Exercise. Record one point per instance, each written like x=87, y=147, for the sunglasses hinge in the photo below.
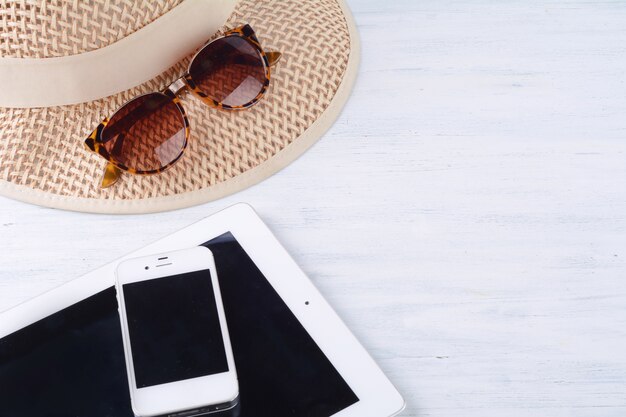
x=177, y=85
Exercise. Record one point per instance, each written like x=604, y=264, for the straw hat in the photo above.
x=65, y=65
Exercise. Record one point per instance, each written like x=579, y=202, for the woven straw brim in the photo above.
x=43, y=160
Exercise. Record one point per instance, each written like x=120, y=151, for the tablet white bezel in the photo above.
x=377, y=396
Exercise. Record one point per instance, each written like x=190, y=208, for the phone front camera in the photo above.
x=147, y=267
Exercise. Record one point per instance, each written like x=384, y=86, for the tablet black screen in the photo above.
x=71, y=363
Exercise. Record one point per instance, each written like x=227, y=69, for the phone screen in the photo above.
x=174, y=328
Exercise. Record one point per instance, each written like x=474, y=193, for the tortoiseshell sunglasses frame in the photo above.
x=113, y=170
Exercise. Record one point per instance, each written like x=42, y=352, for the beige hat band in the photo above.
x=127, y=63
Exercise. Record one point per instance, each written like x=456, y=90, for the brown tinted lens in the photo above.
x=146, y=134
x=229, y=70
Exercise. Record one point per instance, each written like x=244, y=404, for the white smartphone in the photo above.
x=178, y=353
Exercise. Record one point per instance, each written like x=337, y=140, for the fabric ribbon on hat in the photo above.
x=127, y=63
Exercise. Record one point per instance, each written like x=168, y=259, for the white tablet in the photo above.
x=61, y=354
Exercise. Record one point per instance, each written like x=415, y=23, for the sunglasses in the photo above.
x=149, y=134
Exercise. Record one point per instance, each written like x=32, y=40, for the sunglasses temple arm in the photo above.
x=273, y=57
x=110, y=176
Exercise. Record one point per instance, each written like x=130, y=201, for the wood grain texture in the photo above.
x=466, y=215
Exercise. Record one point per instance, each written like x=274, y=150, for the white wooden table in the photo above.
x=466, y=215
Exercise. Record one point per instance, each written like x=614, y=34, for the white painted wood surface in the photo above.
x=466, y=215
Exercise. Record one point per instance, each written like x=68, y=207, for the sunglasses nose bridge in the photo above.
x=177, y=86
